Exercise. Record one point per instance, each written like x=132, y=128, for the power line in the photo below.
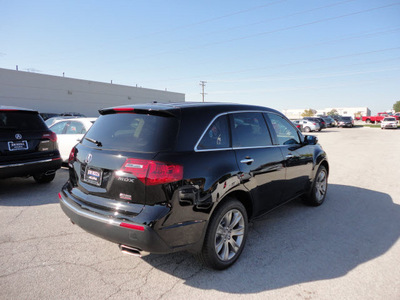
x=274, y=30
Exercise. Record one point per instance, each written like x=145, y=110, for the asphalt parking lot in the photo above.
x=346, y=249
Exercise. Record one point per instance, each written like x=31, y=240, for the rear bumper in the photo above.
x=137, y=235
x=16, y=169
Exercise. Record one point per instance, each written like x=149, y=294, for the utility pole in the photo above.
x=203, y=84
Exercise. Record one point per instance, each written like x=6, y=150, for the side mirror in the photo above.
x=310, y=140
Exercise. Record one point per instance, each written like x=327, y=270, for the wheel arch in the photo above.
x=243, y=197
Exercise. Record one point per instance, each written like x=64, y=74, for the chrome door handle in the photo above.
x=247, y=161
x=289, y=156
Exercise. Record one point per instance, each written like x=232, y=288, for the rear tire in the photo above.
x=226, y=235
x=43, y=178
x=307, y=129
x=319, y=188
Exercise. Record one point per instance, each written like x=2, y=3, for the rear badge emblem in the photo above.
x=18, y=136
x=88, y=158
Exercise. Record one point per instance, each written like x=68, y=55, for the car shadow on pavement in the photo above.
x=26, y=192
x=296, y=244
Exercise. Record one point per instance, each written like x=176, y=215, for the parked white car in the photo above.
x=308, y=125
x=69, y=133
x=389, y=122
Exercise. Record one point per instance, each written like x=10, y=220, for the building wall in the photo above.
x=54, y=94
x=343, y=111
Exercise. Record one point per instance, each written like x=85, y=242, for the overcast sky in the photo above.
x=285, y=54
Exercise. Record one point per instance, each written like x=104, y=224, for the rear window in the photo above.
x=21, y=121
x=133, y=132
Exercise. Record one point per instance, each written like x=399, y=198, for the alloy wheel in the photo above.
x=229, y=235
x=321, y=185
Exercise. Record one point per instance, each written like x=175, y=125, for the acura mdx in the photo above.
x=162, y=178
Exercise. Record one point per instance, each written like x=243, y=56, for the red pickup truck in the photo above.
x=378, y=118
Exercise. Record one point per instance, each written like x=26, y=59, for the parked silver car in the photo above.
x=389, y=122
x=308, y=126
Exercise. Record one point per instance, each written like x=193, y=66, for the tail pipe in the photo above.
x=130, y=250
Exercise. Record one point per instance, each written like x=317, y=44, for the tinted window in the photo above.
x=134, y=132
x=250, y=130
x=18, y=120
x=217, y=135
x=285, y=132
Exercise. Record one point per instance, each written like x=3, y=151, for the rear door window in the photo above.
x=250, y=130
x=134, y=132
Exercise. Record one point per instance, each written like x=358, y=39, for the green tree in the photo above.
x=396, y=106
x=333, y=112
x=309, y=113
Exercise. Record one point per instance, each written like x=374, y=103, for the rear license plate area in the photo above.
x=16, y=146
x=93, y=176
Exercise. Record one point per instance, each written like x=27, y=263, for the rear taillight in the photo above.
x=152, y=172
x=71, y=157
x=50, y=136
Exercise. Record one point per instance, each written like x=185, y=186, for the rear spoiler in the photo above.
x=142, y=110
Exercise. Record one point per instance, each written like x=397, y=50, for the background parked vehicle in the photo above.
x=307, y=125
x=389, y=122
x=378, y=118
x=50, y=121
x=336, y=118
x=69, y=133
x=27, y=146
x=320, y=122
x=47, y=116
x=162, y=178
x=328, y=121
x=345, y=121
x=72, y=114
x=298, y=126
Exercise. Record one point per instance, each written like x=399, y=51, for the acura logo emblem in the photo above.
x=88, y=158
x=18, y=136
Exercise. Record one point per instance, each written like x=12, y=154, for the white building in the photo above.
x=343, y=111
x=55, y=94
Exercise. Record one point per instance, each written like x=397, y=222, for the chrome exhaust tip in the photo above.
x=130, y=250
x=50, y=172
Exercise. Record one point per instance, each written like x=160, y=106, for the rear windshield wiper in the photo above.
x=99, y=144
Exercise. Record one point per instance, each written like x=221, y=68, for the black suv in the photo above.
x=168, y=177
x=27, y=146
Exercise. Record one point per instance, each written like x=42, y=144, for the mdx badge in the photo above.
x=88, y=158
x=126, y=179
